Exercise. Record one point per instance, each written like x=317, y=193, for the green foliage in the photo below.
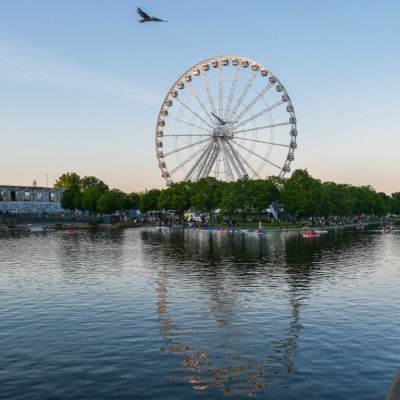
x=246, y=196
x=180, y=197
x=260, y=194
x=394, y=203
x=68, y=180
x=91, y=181
x=70, y=198
x=304, y=196
x=90, y=198
x=205, y=195
x=132, y=201
x=148, y=200
x=164, y=201
x=301, y=195
x=110, y=201
x=228, y=204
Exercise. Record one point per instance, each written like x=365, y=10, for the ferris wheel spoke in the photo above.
x=189, y=123
x=234, y=131
x=239, y=101
x=244, y=161
x=200, y=157
x=259, y=114
x=201, y=104
x=190, y=158
x=207, y=86
x=194, y=113
x=262, y=141
x=253, y=102
x=220, y=91
x=232, y=92
x=257, y=155
x=190, y=135
x=186, y=147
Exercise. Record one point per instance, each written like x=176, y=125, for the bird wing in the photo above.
x=158, y=20
x=142, y=13
x=218, y=118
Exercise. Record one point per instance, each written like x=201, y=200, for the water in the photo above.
x=146, y=314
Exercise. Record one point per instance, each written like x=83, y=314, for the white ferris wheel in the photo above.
x=227, y=117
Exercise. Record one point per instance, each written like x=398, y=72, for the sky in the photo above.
x=82, y=82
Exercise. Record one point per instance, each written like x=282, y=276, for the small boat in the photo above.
x=38, y=228
x=170, y=227
x=309, y=234
x=237, y=230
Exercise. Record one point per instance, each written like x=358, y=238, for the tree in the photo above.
x=180, y=193
x=132, y=201
x=66, y=181
x=260, y=194
x=164, y=201
x=90, y=197
x=91, y=181
x=228, y=203
x=394, y=206
x=148, y=200
x=110, y=201
x=70, y=198
x=205, y=195
x=302, y=195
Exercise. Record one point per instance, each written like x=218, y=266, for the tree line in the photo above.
x=91, y=194
x=300, y=196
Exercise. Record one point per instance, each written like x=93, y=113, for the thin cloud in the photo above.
x=26, y=63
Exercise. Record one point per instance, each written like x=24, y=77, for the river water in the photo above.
x=149, y=314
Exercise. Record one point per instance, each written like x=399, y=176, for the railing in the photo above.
x=13, y=219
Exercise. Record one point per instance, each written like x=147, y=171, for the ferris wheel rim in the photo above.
x=167, y=174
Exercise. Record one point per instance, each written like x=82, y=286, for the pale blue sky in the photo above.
x=81, y=82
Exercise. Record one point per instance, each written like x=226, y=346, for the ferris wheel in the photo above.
x=227, y=117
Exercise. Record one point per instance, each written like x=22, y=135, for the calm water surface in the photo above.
x=147, y=314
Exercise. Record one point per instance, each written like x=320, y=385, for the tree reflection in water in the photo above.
x=227, y=265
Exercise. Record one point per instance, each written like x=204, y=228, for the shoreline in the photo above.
x=268, y=228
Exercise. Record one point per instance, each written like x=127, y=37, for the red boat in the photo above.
x=310, y=234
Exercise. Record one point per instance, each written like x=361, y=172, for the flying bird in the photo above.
x=146, y=17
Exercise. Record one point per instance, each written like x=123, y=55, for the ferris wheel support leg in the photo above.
x=199, y=160
x=233, y=161
x=204, y=161
x=212, y=161
x=239, y=163
x=228, y=169
x=190, y=158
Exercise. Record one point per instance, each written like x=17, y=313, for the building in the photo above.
x=30, y=199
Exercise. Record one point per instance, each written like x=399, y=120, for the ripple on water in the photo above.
x=148, y=314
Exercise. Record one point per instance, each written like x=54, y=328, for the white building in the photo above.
x=30, y=199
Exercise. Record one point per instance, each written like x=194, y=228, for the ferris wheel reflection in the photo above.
x=234, y=361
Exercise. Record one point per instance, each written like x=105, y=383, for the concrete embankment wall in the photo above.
x=394, y=393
